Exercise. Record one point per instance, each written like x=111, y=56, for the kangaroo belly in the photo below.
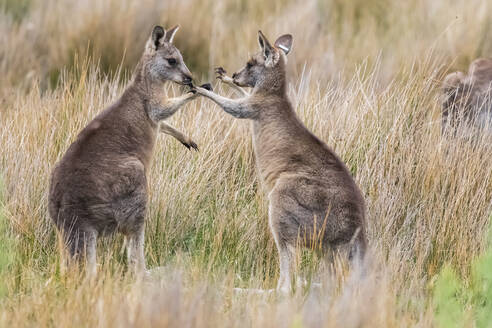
x=106, y=199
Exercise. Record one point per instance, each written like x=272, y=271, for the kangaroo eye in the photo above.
x=249, y=65
x=171, y=61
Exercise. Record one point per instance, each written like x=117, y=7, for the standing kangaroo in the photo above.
x=100, y=184
x=313, y=200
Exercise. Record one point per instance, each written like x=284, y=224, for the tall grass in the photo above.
x=364, y=76
x=459, y=303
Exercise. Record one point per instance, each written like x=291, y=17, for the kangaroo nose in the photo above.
x=234, y=75
x=187, y=79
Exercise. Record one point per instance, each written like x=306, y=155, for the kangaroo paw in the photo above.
x=190, y=145
x=207, y=86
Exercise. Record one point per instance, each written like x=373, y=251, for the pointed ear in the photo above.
x=157, y=37
x=170, y=34
x=452, y=82
x=284, y=42
x=265, y=46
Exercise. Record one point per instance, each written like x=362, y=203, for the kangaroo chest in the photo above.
x=270, y=151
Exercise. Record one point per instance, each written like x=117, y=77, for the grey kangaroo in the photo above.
x=468, y=97
x=100, y=184
x=313, y=200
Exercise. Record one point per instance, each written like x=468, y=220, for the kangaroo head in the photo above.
x=266, y=69
x=162, y=60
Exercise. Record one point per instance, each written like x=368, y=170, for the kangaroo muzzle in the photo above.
x=234, y=78
x=188, y=80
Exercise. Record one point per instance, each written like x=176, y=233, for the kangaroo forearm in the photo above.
x=168, y=129
x=162, y=111
x=185, y=140
x=235, y=107
x=238, y=108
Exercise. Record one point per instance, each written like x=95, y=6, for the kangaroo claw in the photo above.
x=220, y=73
x=220, y=70
x=191, y=145
x=207, y=86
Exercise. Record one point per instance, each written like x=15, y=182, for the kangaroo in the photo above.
x=467, y=97
x=100, y=184
x=313, y=200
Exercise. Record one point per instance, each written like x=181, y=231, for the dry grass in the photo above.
x=365, y=78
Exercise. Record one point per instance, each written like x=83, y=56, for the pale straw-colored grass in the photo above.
x=365, y=78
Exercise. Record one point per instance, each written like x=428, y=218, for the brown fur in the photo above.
x=100, y=184
x=467, y=96
x=314, y=201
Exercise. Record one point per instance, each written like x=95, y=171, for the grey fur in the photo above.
x=313, y=200
x=100, y=184
x=467, y=97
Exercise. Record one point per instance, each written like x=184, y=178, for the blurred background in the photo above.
x=39, y=38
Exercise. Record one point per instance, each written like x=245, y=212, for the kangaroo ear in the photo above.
x=170, y=34
x=284, y=42
x=452, y=82
x=157, y=38
x=264, y=45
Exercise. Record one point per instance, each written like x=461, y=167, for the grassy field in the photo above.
x=364, y=76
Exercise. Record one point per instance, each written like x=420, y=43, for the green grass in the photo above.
x=365, y=77
x=7, y=246
x=460, y=302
